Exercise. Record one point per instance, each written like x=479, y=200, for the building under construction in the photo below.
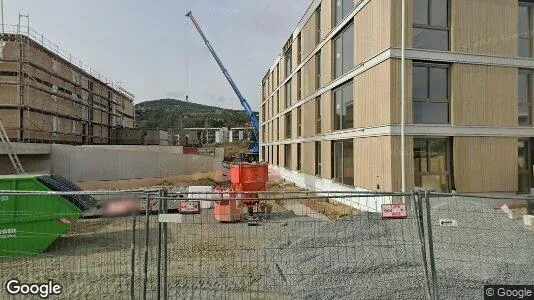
x=46, y=95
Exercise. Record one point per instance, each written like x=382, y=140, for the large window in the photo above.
x=278, y=124
x=343, y=162
x=343, y=107
x=299, y=49
x=318, y=115
x=277, y=154
x=288, y=61
x=430, y=93
x=524, y=98
x=318, y=25
x=299, y=157
x=287, y=155
x=431, y=24
x=342, y=9
x=524, y=25
x=318, y=70
x=299, y=86
x=288, y=125
x=318, y=159
x=344, y=51
x=288, y=94
x=432, y=164
x=299, y=121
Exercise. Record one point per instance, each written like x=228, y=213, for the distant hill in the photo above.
x=175, y=114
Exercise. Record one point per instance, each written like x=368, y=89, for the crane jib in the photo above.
x=248, y=110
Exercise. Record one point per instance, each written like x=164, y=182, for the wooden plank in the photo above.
x=484, y=95
x=485, y=27
x=485, y=164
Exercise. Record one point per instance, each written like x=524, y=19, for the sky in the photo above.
x=145, y=45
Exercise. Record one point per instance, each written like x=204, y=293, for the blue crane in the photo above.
x=254, y=149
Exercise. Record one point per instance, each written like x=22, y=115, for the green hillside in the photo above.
x=175, y=114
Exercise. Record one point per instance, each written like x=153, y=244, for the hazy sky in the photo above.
x=143, y=44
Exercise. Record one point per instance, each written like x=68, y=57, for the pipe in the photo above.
x=403, y=97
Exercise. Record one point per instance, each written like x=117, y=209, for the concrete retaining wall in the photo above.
x=95, y=163
x=114, y=162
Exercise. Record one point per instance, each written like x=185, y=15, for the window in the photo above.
x=288, y=125
x=430, y=93
x=299, y=122
x=299, y=49
x=343, y=162
x=277, y=101
x=524, y=98
x=299, y=86
x=288, y=93
x=55, y=125
x=288, y=62
x=287, y=156
x=74, y=123
x=343, y=107
x=299, y=157
x=342, y=9
x=263, y=153
x=318, y=116
x=277, y=154
x=431, y=24
x=344, y=51
x=318, y=159
x=278, y=127
x=318, y=25
x=523, y=30
x=318, y=70
x=523, y=150
x=432, y=164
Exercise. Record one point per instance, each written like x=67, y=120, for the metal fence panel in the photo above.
x=476, y=243
x=297, y=252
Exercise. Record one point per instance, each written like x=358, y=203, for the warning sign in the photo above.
x=394, y=211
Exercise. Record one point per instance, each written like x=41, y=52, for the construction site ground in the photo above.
x=330, y=252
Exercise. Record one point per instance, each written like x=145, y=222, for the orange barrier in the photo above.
x=249, y=178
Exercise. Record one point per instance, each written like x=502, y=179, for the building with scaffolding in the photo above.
x=48, y=96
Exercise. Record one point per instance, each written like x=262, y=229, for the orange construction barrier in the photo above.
x=227, y=210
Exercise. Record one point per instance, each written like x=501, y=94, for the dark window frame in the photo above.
x=288, y=60
x=299, y=157
x=335, y=13
x=288, y=121
x=334, y=165
x=448, y=160
x=318, y=34
x=530, y=77
x=287, y=93
x=318, y=70
x=287, y=156
x=318, y=159
x=318, y=115
x=340, y=126
x=436, y=27
x=341, y=36
x=430, y=65
x=528, y=37
x=299, y=121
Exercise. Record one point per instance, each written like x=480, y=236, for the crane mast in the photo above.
x=248, y=110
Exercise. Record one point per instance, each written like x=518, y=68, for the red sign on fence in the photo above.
x=394, y=211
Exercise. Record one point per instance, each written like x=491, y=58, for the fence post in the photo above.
x=165, y=243
x=431, y=247
x=160, y=204
x=132, y=254
x=145, y=265
x=416, y=196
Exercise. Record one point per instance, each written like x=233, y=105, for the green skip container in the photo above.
x=29, y=224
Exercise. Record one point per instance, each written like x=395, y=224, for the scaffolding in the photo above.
x=59, y=98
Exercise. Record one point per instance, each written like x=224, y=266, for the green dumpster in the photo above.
x=29, y=224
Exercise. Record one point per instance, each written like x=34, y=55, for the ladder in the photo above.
x=4, y=139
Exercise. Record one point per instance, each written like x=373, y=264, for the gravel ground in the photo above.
x=290, y=257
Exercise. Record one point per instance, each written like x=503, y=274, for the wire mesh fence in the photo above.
x=283, y=245
x=477, y=241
